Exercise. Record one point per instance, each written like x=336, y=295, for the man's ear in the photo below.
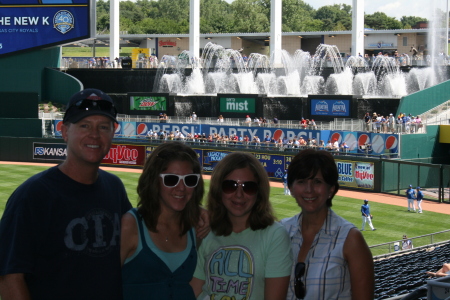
x=64, y=129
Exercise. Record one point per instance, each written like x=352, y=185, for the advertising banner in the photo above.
x=239, y=105
x=128, y=155
x=29, y=24
x=272, y=163
x=331, y=108
x=356, y=174
x=49, y=151
x=151, y=103
x=211, y=158
x=57, y=127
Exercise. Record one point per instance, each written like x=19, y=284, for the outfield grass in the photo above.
x=87, y=51
x=391, y=221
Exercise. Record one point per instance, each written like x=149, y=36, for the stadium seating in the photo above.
x=404, y=273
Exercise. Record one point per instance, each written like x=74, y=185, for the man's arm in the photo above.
x=13, y=287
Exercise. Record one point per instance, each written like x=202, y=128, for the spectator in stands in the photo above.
x=275, y=121
x=374, y=122
x=246, y=250
x=383, y=123
x=419, y=123
x=391, y=123
x=263, y=122
x=442, y=272
x=337, y=261
x=256, y=121
x=406, y=243
x=161, y=118
x=150, y=134
x=170, y=192
x=303, y=123
x=220, y=119
x=367, y=120
x=336, y=145
x=329, y=145
x=280, y=142
x=60, y=229
x=302, y=141
x=248, y=120
x=162, y=135
x=312, y=125
x=399, y=122
x=194, y=117
x=321, y=145
x=267, y=139
x=344, y=147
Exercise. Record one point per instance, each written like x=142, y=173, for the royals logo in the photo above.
x=63, y=21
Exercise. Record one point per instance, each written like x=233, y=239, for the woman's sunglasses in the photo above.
x=172, y=180
x=299, y=286
x=249, y=187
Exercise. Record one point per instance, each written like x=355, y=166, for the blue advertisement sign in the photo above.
x=331, y=108
x=31, y=24
x=50, y=151
x=274, y=164
x=377, y=143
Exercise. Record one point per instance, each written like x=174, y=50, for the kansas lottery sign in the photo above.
x=33, y=24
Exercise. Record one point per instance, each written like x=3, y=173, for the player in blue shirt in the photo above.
x=410, y=196
x=419, y=199
x=366, y=216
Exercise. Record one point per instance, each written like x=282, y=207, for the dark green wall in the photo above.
x=422, y=101
x=29, y=78
x=425, y=148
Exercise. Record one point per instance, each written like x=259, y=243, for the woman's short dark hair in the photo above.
x=261, y=215
x=148, y=188
x=307, y=163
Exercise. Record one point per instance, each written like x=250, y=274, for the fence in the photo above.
x=433, y=179
x=389, y=248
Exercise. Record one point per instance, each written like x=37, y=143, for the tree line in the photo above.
x=246, y=16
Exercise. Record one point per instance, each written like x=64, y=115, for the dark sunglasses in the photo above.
x=299, y=286
x=172, y=180
x=101, y=105
x=230, y=186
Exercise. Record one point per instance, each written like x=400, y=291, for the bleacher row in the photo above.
x=403, y=274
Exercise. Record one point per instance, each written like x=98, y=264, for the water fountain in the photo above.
x=221, y=70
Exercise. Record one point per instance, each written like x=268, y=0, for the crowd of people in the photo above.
x=403, y=123
x=282, y=143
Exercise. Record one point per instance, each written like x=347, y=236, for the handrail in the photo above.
x=413, y=238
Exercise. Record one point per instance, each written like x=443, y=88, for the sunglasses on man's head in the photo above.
x=230, y=186
x=100, y=105
x=299, y=286
x=172, y=180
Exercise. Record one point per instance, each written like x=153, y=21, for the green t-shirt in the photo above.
x=235, y=266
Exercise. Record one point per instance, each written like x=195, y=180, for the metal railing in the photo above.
x=439, y=115
x=388, y=249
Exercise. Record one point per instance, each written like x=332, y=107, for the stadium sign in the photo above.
x=34, y=24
